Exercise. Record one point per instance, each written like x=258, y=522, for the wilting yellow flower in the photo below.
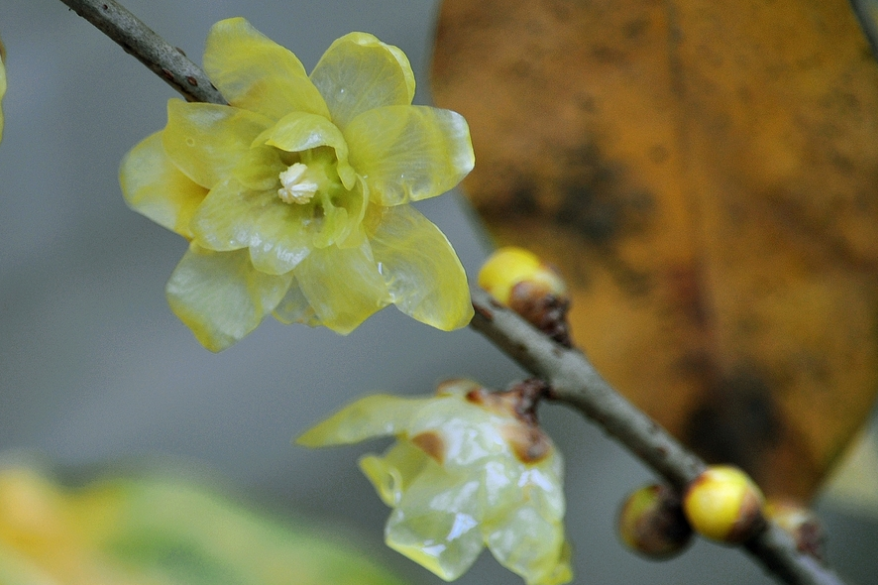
x=468, y=470
x=294, y=196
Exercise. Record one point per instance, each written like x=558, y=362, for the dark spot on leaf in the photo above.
x=658, y=154
x=523, y=200
x=608, y=55
x=737, y=422
x=585, y=102
x=522, y=68
x=687, y=294
x=635, y=27
x=595, y=218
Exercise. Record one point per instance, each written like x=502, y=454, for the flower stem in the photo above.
x=573, y=379
x=136, y=38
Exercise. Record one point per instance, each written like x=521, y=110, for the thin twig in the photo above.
x=573, y=379
x=575, y=382
x=166, y=61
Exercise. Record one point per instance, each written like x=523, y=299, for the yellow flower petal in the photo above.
x=206, y=141
x=424, y=276
x=373, y=416
x=343, y=286
x=233, y=217
x=220, y=297
x=301, y=131
x=259, y=168
x=295, y=308
x=358, y=72
x=531, y=545
x=437, y=522
x=155, y=187
x=341, y=224
x=408, y=152
x=255, y=73
x=393, y=473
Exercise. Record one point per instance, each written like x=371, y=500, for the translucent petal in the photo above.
x=437, y=523
x=423, y=274
x=155, y=187
x=220, y=296
x=372, y=416
x=343, y=218
x=468, y=441
x=394, y=472
x=499, y=480
x=334, y=224
x=259, y=168
x=358, y=72
x=532, y=546
x=206, y=141
x=301, y=131
x=546, y=479
x=233, y=217
x=255, y=73
x=343, y=285
x=295, y=308
x=409, y=152
x=343, y=213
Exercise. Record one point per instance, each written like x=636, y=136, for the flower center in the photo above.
x=299, y=184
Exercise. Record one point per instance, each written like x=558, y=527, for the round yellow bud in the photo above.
x=724, y=504
x=510, y=266
x=651, y=522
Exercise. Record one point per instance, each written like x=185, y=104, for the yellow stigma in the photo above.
x=297, y=185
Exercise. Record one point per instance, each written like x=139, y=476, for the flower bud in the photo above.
x=724, y=504
x=519, y=280
x=651, y=522
x=801, y=524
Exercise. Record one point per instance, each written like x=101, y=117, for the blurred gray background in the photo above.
x=95, y=369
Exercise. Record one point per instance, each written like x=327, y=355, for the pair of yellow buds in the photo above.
x=722, y=504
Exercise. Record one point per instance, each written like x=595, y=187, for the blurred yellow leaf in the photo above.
x=705, y=174
x=156, y=531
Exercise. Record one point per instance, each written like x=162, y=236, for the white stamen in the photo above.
x=296, y=187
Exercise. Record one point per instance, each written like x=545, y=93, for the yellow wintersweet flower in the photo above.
x=468, y=470
x=294, y=196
